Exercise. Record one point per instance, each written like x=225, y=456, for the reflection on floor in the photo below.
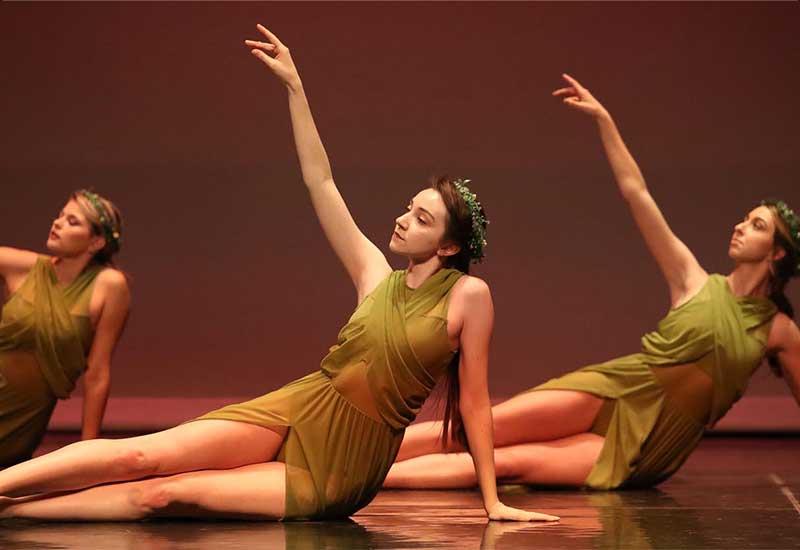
x=733, y=493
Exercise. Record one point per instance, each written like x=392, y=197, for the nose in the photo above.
x=400, y=221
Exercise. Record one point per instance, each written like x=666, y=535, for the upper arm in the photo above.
x=475, y=337
x=364, y=262
x=15, y=263
x=116, y=300
x=680, y=268
x=784, y=344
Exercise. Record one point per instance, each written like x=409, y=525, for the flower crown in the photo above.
x=112, y=235
x=790, y=219
x=477, y=241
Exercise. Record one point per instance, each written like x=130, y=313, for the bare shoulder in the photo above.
x=16, y=261
x=472, y=290
x=783, y=334
x=113, y=282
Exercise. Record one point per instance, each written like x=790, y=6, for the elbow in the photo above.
x=633, y=190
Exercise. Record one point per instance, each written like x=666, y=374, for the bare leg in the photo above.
x=534, y=416
x=565, y=461
x=201, y=445
x=257, y=491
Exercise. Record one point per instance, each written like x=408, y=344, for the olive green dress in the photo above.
x=45, y=335
x=346, y=421
x=690, y=371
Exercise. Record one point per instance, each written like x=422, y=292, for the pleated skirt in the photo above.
x=647, y=436
x=26, y=404
x=336, y=456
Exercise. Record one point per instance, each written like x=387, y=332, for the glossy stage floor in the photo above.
x=733, y=493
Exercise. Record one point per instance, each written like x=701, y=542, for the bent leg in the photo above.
x=201, y=445
x=535, y=416
x=257, y=491
x=565, y=461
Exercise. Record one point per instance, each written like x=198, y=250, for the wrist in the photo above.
x=603, y=117
x=294, y=85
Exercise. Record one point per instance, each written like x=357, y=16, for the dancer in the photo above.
x=632, y=421
x=320, y=446
x=63, y=316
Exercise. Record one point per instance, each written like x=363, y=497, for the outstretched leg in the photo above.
x=257, y=491
x=201, y=445
x=531, y=417
x=566, y=462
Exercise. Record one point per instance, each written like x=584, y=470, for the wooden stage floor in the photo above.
x=733, y=493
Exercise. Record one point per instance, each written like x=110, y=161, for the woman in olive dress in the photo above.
x=62, y=316
x=320, y=446
x=634, y=420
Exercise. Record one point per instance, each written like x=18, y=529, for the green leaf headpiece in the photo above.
x=477, y=241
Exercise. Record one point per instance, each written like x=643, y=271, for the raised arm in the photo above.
x=115, y=298
x=683, y=273
x=363, y=261
x=14, y=265
x=784, y=345
x=474, y=403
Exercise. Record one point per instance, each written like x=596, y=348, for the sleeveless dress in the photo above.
x=690, y=371
x=45, y=336
x=346, y=421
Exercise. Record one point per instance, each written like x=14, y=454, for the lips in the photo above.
x=54, y=235
x=396, y=234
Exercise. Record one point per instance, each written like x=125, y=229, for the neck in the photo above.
x=68, y=269
x=419, y=271
x=750, y=279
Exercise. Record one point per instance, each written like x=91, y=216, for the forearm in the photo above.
x=477, y=417
x=626, y=172
x=95, y=397
x=314, y=164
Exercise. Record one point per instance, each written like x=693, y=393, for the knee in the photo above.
x=149, y=498
x=133, y=462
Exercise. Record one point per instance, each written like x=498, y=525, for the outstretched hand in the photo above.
x=578, y=97
x=275, y=55
x=501, y=512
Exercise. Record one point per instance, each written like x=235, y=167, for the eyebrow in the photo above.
x=747, y=217
x=425, y=211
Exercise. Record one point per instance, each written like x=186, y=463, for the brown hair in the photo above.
x=458, y=230
x=782, y=270
x=105, y=255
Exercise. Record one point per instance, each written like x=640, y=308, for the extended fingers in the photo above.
x=565, y=91
x=260, y=45
x=268, y=61
x=270, y=36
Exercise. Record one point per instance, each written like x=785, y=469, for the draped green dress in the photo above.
x=45, y=336
x=346, y=421
x=690, y=371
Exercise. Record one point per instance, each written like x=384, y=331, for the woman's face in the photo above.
x=71, y=233
x=754, y=237
x=418, y=233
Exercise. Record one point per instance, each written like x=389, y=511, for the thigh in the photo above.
x=207, y=445
x=256, y=491
x=544, y=415
x=566, y=461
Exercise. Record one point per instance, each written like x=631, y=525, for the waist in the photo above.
x=689, y=387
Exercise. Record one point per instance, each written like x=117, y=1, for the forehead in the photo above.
x=761, y=212
x=74, y=209
x=430, y=200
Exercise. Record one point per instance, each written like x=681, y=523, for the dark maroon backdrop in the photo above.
x=163, y=109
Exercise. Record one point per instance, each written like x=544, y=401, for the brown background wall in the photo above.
x=160, y=107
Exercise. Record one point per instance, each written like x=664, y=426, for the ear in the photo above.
x=448, y=250
x=97, y=244
x=778, y=253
